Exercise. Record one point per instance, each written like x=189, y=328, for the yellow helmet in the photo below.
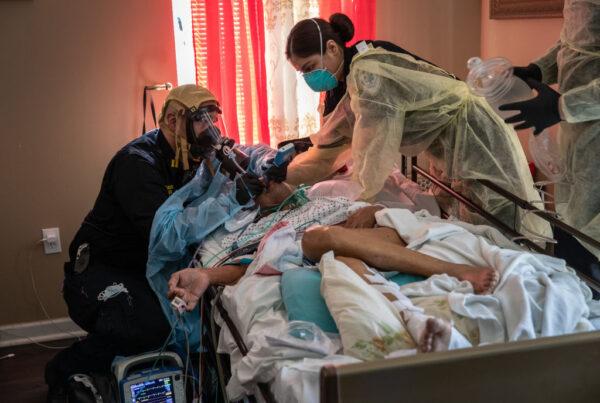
x=186, y=97
x=189, y=96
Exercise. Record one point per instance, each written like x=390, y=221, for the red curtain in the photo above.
x=257, y=30
x=361, y=12
x=229, y=45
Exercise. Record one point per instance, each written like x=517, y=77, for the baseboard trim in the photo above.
x=38, y=332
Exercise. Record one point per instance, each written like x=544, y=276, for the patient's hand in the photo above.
x=363, y=218
x=189, y=285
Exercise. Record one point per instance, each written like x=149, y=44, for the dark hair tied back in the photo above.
x=303, y=40
x=343, y=26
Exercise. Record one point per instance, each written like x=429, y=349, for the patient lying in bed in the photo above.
x=463, y=303
x=381, y=247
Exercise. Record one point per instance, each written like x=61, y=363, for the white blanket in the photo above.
x=537, y=295
x=256, y=307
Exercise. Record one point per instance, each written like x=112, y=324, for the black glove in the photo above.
x=242, y=158
x=227, y=164
x=229, y=168
x=300, y=145
x=229, y=142
x=248, y=186
x=539, y=112
x=531, y=71
x=276, y=173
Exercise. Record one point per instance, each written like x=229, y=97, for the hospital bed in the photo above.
x=565, y=367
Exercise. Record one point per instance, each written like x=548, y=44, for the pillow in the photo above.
x=405, y=278
x=301, y=293
x=370, y=325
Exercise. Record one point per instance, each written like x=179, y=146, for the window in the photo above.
x=236, y=48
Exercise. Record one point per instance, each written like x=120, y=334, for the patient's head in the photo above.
x=274, y=195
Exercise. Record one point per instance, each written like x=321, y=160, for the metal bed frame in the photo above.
x=565, y=367
x=415, y=170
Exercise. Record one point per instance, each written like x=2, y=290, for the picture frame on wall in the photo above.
x=511, y=9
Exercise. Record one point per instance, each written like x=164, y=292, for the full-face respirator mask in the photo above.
x=211, y=140
x=203, y=144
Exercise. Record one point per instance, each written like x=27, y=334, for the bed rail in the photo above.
x=550, y=369
x=472, y=205
x=518, y=201
x=214, y=296
x=541, y=213
x=415, y=170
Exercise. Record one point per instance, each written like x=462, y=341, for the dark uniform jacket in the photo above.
x=138, y=179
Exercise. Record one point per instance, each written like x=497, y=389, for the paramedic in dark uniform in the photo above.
x=105, y=284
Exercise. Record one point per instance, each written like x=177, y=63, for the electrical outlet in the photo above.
x=51, y=239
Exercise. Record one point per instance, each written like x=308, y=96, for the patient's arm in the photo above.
x=384, y=249
x=190, y=284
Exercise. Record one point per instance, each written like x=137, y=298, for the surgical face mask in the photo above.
x=320, y=80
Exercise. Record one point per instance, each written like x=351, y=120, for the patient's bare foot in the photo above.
x=483, y=279
x=435, y=336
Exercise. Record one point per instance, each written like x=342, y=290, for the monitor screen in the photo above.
x=153, y=391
